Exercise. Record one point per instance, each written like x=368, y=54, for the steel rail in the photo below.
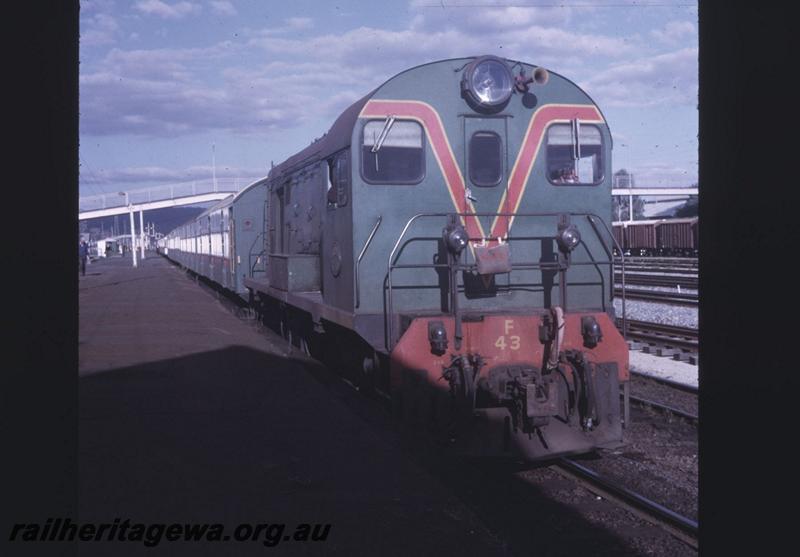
x=670, y=383
x=663, y=408
x=666, y=261
x=690, y=271
x=672, y=341
x=669, y=281
x=669, y=336
x=659, y=296
x=682, y=527
x=673, y=330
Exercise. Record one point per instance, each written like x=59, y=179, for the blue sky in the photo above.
x=161, y=81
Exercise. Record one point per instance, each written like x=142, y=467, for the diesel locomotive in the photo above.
x=445, y=244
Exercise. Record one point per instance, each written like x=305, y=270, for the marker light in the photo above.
x=487, y=82
x=568, y=238
x=456, y=238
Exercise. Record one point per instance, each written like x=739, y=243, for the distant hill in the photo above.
x=685, y=210
x=164, y=220
x=690, y=209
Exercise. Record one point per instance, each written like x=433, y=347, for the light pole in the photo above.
x=133, y=228
x=141, y=230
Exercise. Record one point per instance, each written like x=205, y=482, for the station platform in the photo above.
x=189, y=414
x=664, y=368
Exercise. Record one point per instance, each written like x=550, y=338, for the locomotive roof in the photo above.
x=339, y=134
x=335, y=139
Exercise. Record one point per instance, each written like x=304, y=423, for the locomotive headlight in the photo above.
x=568, y=238
x=487, y=82
x=456, y=238
x=437, y=336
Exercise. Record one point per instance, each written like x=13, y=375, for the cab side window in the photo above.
x=392, y=152
x=574, y=154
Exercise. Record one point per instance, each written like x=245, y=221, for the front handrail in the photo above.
x=622, y=261
x=250, y=264
x=390, y=342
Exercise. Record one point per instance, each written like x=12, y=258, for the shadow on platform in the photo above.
x=242, y=436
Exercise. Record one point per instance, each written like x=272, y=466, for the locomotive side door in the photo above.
x=279, y=233
x=336, y=265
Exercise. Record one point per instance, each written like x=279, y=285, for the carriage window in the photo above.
x=392, y=152
x=574, y=158
x=485, y=159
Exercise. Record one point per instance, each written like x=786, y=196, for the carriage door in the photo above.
x=231, y=254
x=223, y=221
x=207, y=256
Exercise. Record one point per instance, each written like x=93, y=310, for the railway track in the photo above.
x=665, y=409
x=673, y=281
x=670, y=262
x=679, y=343
x=655, y=269
x=670, y=383
x=684, y=338
x=682, y=527
x=683, y=298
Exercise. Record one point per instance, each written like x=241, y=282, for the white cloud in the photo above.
x=487, y=17
x=308, y=80
x=89, y=6
x=299, y=22
x=676, y=32
x=167, y=92
x=387, y=51
x=661, y=174
x=168, y=11
x=100, y=29
x=141, y=174
x=664, y=79
x=164, y=93
x=222, y=7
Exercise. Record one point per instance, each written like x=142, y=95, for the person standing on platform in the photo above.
x=83, y=254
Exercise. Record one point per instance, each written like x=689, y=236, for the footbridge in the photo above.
x=159, y=197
